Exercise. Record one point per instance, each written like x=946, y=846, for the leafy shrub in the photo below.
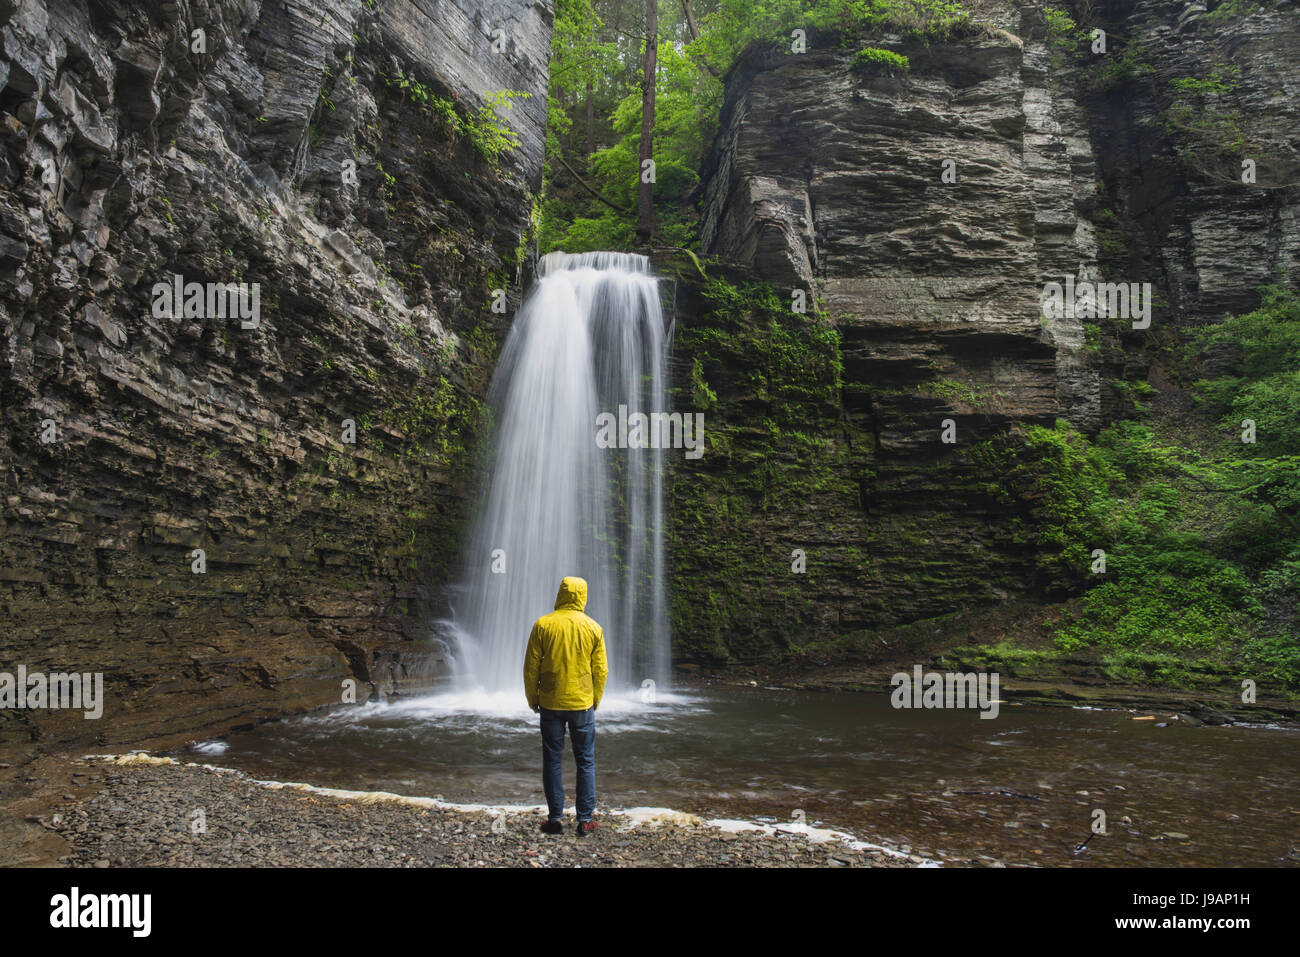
x=1202, y=541
x=877, y=60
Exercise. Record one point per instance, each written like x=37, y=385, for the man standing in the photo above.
x=564, y=678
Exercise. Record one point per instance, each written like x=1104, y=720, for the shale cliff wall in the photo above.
x=826, y=180
x=338, y=155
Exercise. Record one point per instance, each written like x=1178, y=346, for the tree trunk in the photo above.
x=591, y=123
x=694, y=30
x=645, y=211
x=588, y=187
x=691, y=26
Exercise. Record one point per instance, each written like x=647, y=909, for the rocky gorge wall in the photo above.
x=337, y=154
x=1174, y=207
x=826, y=177
x=340, y=156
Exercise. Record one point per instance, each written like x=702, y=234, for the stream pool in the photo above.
x=1021, y=788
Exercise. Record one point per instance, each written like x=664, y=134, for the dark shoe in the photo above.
x=586, y=827
x=553, y=827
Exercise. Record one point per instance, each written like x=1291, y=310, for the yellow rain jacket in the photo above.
x=564, y=667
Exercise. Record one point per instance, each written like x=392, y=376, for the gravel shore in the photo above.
x=173, y=815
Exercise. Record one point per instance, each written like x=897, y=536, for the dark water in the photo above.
x=1020, y=788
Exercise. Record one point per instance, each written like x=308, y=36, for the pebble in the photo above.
x=141, y=817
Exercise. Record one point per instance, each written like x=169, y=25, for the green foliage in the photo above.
x=1171, y=579
x=685, y=104
x=874, y=59
x=484, y=130
x=487, y=133
x=1263, y=344
x=1120, y=68
x=1237, y=9
x=435, y=421
x=979, y=397
x=1201, y=109
x=1061, y=28
x=582, y=64
x=1202, y=542
x=1065, y=38
x=1063, y=32
x=609, y=230
x=790, y=363
x=737, y=23
x=594, y=62
x=703, y=397
x=1260, y=386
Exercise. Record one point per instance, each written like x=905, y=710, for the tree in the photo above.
x=693, y=34
x=645, y=212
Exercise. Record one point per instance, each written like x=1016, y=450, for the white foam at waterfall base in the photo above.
x=508, y=712
x=588, y=338
x=210, y=747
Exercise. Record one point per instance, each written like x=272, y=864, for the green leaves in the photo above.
x=1264, y=342
x=1168, y=582
x=1063, y=33
x=1200, y=530
x=1202, y=110
x=484, y=130
x=1258, y=398
x=488, y=135
x=598, y=64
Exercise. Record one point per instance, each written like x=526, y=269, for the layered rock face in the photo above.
x=337, y=158
x=1172, y=162
x=827, y=177
x=831, y=180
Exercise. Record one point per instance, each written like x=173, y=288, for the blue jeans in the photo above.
x=582, y=732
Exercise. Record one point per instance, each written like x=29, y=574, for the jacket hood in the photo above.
x=573, y=594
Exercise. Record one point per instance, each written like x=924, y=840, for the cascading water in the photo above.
x=589, y=337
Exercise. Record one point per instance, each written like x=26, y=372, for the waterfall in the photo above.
x=589, y=337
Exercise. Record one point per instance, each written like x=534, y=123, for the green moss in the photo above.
x=977, y=397
x=1237, y=9
x=435, y=422
x=703, y=397
x=769, y=380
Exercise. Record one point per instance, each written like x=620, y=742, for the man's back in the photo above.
x=565, y=666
